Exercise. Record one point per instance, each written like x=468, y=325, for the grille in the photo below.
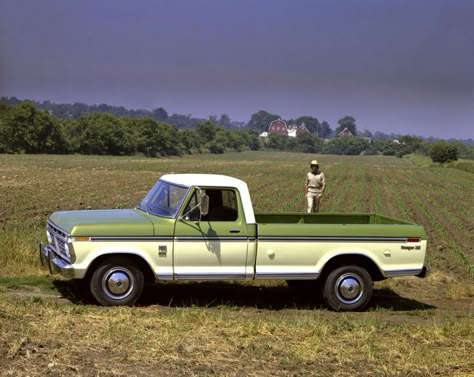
x=58, y=240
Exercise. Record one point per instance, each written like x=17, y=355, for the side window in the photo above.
x=229, y=199
x=222, y=205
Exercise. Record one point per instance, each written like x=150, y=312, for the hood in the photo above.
x=114, y=222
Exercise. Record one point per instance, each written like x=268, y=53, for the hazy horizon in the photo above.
x=403, y=67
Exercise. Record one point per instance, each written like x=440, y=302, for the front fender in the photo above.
x=159, y=263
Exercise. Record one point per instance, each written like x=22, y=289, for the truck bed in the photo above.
x=357, y=225
x=325, y=218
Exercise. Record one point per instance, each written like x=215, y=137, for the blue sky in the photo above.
x=396, y=66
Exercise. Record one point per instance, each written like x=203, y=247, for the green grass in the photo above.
x=425, y=161
x=40, y=282
x=467, y=166
x=419, y=160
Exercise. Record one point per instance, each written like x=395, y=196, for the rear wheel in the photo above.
x=117, y=281
x=347, y=288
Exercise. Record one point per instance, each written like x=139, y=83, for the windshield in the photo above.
x=164, y=199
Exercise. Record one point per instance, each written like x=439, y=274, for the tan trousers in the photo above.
x=313, y=202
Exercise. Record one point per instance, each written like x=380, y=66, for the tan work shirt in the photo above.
x=315, y=182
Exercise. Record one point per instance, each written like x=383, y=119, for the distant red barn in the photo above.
x=278, y=127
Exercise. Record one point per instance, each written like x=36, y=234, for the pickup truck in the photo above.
x=203, y=227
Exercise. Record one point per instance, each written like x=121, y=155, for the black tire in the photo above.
x=347, y=288
x=117, y=281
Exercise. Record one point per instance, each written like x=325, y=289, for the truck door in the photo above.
x=213, y=246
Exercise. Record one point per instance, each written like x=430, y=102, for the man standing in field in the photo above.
x=314, y=187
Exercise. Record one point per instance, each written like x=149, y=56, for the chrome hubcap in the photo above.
x=117, y=283
x=349, y=288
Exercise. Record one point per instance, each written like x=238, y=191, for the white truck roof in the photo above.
x=216, y=180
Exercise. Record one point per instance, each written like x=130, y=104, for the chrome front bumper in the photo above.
x=55, y=264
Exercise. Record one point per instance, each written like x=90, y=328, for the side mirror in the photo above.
x=204, y=204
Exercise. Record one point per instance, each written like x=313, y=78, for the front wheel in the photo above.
x=117, y=281
x=347, y=288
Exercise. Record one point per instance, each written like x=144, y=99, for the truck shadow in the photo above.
x=214, y=294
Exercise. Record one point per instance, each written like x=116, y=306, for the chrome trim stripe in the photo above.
x=171, y=238
x=287, y=276
x=393, y=273
x=217, y=238
x=252, y=239
x=330, y=239
x=131, y=238
x=163, y=276
x=209, y=276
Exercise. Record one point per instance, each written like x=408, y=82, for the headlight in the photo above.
x=50, y=238
x=69, y=246
x=66, y=249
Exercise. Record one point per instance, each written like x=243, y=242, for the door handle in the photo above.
x=234, y=230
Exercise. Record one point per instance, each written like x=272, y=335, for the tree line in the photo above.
x=26, y=128
x=78, y=110
x=259, y=121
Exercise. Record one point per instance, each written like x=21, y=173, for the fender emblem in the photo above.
x=162, y=250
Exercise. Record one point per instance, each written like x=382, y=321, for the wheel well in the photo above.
x=353, y=259
x=142, y=264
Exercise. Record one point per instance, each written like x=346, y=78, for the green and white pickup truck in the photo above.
x=203, y=227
